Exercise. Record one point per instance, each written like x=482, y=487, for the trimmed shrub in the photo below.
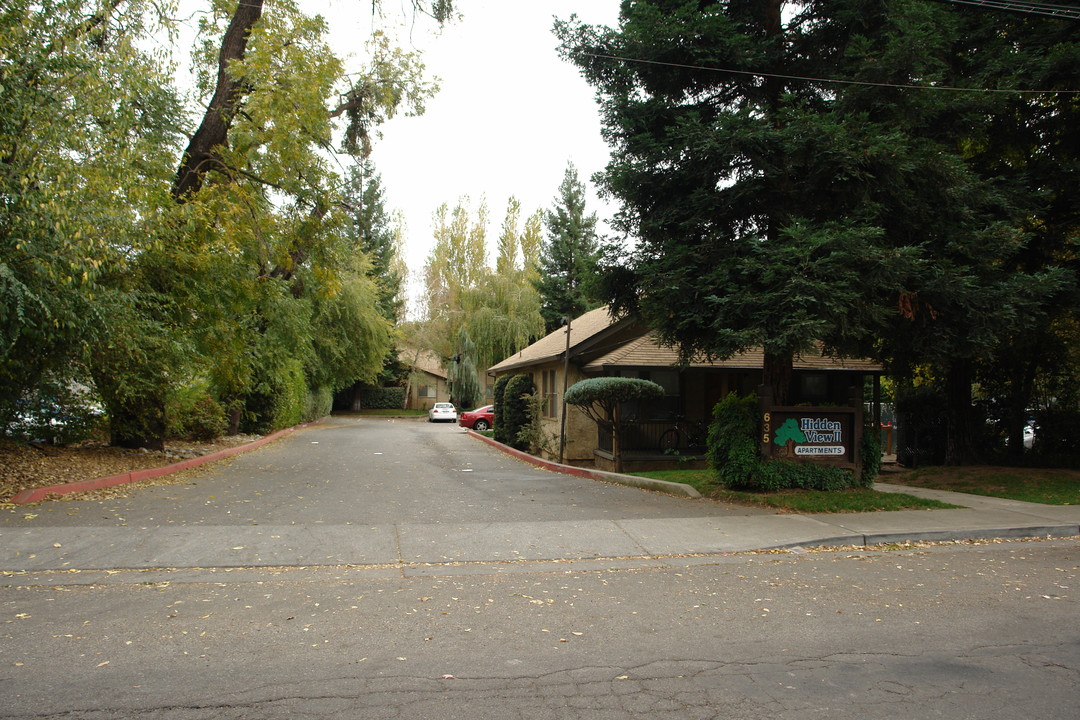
x=733, y=455
x=499, y=390
x=383, y=398
x=192, y=413
x=515, y=415
x=292, y=397
x=732, y=443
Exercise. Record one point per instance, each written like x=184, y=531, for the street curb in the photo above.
x=671, y=488
x=33, y=495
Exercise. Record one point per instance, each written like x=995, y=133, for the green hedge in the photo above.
x=383, y=398
x=515, y=415
x=318, y=405
x=499, y=392
x=733, y=455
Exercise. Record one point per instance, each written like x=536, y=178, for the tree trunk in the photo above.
x=1017, y=400
x=199, y=156
x=776, y=373
x=139, y=423
x=235, y=414
x=959, y=430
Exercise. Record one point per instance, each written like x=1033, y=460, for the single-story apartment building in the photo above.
x=598, y=345
x=427, y=379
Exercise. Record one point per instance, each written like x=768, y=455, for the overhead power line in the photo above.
x=1062, y=12
x=834, y=81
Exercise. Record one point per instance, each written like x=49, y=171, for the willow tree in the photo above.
x=455, y=264
x=496, y=309
x=503, y=308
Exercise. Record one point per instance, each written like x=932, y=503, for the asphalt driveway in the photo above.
x=352, y=491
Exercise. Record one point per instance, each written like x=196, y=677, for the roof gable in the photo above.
x=584, y=331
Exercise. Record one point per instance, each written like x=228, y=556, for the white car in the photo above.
x=442, y=411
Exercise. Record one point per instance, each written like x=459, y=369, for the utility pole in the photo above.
x=565, y=378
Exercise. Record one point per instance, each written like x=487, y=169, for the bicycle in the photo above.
x=671, y=441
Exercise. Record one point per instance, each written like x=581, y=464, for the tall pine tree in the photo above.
x=568, y=256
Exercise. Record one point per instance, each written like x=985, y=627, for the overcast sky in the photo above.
x=509, y=116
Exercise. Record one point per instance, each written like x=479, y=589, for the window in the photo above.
x=814, y=387
x=549, y=394
x=664, y=407
x=425, y=391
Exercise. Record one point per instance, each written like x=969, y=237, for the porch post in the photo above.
x=616, y=441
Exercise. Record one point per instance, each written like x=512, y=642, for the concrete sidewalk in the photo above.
x=417, y=549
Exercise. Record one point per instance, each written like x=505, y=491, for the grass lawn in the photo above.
x=1047, y=486
x=798, y=501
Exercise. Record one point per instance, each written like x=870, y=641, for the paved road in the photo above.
x=560, y=620
x=974, y=632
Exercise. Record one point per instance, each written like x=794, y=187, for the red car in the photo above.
x=479, y=419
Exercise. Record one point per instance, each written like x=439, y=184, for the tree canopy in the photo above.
x=144, y=255
x=833, y=171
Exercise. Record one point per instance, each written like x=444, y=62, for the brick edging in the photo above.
x=33, y=495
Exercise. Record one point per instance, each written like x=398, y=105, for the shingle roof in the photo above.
x=647, y=352
x=423, y=360
x=552, y=346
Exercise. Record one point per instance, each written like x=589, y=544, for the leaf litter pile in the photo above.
x=25, y=467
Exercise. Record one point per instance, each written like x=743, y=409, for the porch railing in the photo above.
x=655, y=436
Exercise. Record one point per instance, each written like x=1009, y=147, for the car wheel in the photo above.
x=480, y=425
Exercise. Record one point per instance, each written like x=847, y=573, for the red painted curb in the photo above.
x=38, y=494
x=658, y=485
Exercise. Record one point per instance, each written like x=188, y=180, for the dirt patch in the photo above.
x=26, y=467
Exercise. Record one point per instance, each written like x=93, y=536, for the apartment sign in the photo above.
x=809, y=434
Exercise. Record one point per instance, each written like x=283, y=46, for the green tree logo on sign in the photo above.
x=788, y=434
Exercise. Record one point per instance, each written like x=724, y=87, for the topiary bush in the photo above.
x=605, y=393
x=734, y=457
x=515, y=414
